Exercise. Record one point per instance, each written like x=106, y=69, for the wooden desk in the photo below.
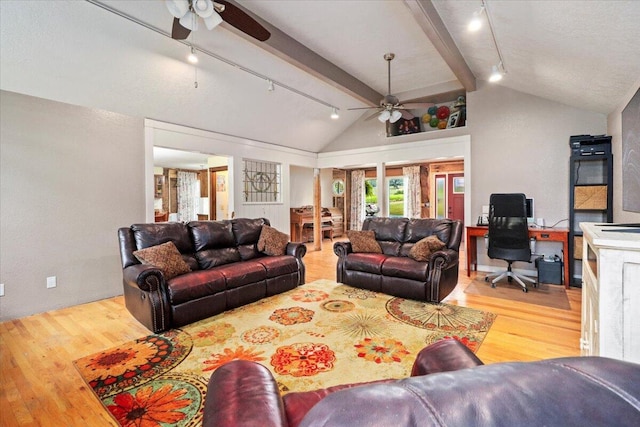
x=541, y=234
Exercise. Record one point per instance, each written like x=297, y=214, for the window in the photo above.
x=441, y=196
x=262, y=182
x=396, y=203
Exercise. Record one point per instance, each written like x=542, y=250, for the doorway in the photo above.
x=449, y=197
x=219, y=200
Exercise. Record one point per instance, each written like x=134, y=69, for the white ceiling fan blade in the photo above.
x=178, y=8
x=213, y=21
x=189, y=21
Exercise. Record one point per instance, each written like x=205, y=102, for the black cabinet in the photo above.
x=590, y=192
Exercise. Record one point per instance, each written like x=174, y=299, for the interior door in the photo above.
x=219, y=199
x=455, y=196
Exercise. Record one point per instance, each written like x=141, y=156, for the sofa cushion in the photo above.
x=213, y=257
x=423, y=249
x=211, y=234
x=406, y=268
x=242, y=273
x=195, y=285
x=246, y=232
x=370, y=263
x=364, y=241
x=278, y=265
x=164, y=256
x=272, y=242
x=418, y=229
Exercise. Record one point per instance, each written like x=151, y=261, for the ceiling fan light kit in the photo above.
x=391, y=109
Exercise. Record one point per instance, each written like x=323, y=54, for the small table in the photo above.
x=541, y=235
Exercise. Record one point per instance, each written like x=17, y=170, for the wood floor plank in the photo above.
x=40, y=386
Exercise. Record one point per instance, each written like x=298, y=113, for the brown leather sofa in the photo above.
x=448, y=387
x=227, y=270
x=393, y=272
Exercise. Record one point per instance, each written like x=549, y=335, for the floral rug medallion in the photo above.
x=315, y=336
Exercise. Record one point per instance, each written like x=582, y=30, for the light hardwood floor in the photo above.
x=39, y=385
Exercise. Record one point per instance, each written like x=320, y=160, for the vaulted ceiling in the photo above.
x=325, y=53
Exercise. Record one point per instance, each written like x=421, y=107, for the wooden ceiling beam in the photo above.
x=295, y=53
x=426, y=15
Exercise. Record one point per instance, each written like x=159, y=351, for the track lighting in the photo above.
x=497, y=71
x=193, y=57
x=476, y=22
x=334, y=114
x=271, y=87
x=496, y=74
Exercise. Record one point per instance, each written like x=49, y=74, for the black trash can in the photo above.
x=549, y=270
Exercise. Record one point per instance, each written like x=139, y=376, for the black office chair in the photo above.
x=508, y=235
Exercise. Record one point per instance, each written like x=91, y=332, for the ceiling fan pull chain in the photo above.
x=195, y=78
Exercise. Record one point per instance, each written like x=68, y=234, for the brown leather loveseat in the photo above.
x=448, y=387
x=226, y=270
x=393, y=271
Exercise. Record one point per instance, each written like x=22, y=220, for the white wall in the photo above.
x=614, y=128
x=69, y=177
x=301, y=187
x=168, y=135
x=519, y=143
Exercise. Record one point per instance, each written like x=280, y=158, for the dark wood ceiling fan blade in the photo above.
x=178, y=32
x=406, y=115
x=417, y=105
x=238, y=18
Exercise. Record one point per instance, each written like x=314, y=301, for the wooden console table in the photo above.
x=541, y=235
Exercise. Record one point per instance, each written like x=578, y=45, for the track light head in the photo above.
x=476, y=22
x=334, y=114
x=496, y=74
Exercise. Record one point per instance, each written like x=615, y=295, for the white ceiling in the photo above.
x=581, y=53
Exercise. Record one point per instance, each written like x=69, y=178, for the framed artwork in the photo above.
x=406, y=127
x=453, y=120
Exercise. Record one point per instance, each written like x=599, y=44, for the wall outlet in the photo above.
x=1, y=289
x=51, y=282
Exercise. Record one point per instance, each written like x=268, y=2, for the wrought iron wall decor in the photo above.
x=262, y=182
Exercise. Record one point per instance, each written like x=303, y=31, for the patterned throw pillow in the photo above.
x=166, y=257
x=423, y=249
x=364, y=241
x=272, y=242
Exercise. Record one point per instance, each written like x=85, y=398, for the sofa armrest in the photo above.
x=243, y=393
x=444, y=257
x=342, y=249
x=297, y=250
x=444, y=356
x=145, y=277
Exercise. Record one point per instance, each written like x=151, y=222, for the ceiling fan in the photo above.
x=391, y=108
x=186, y=13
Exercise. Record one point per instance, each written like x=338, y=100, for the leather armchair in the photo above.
x=448, y=387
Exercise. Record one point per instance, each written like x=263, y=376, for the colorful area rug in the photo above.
x=544, y=294
x=315, y=336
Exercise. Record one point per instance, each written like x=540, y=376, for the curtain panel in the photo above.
x=357, y=200
x=188, y=196
x=413, y=193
